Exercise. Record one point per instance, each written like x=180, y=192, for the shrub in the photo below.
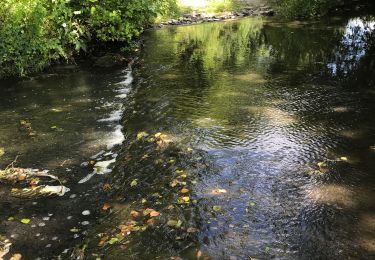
x=119, y=20
x=35, y=32
x=304, y=8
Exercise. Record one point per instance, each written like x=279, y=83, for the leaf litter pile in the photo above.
x=31, y=183
x=149, y=206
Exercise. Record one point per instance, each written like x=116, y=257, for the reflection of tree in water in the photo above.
x=352, y=59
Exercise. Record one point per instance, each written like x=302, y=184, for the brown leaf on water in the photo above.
x=21, y=177
x=107, y=186
x=134, y=213
x=191, y=230
x=106, y=206
x=103, y=240
x=128, y=227
x=154, y=213
x=218, y=191
x=147, y=211
x=174, y=183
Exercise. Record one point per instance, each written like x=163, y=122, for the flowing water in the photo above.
x=249, y=139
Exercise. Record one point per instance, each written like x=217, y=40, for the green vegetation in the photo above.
x=305, y=8
x=34, y=33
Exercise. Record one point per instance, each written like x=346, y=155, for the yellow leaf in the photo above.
x=184, y=190
x=56, y=110
x=140, y=135
x=25, y=221
x=134, y=183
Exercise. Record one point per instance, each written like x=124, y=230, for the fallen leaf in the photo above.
x=174, y=183
x=25, y=221
x=106, y=206
x=216, y=208
x=191, y=230
x=154, y=213
x=184, y=190
x=185, y=199
x=112, y=240
x=56, y=110
x=106, y=186
x=174, y=223
x=147, y=211
x=218, y=191
x=134, y=183
x=74, y=230
x=2, y=151
x=322, y=164
x=343, y=158
x=134, y=213
x=140, y=135
x=102, y=241
x=16, y=257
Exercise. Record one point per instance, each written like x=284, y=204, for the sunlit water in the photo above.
x=278, y=117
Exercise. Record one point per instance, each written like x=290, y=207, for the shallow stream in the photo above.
x=248, y=139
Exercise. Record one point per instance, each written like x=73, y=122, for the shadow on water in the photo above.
x=250, y=138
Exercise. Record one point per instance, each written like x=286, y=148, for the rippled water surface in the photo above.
x=267, y=125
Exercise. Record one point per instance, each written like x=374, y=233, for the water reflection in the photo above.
x=255, y=96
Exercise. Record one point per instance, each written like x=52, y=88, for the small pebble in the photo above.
x=73, y=196
x=54, y=238
x=41, y=224
x=85, y=223
x=49, y=245
x=69, y=217
x=86, y=212
x=46, y=218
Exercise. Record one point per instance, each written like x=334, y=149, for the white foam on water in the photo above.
x=116, y=137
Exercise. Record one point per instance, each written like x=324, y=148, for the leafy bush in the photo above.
x=304, y=8
x=118, y=20
x=35, y=32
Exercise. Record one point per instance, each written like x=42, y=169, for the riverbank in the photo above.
x=199, y=17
